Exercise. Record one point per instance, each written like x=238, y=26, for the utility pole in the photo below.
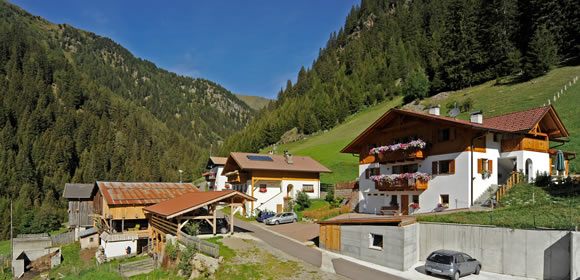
x=11, y=240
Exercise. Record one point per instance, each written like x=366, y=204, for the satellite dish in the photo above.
x=454, y=112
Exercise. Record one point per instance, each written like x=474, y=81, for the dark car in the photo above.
x=452, y=264
x=223, y=226
x=265, y=215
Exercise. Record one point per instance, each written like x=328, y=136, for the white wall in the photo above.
x=220, y=181
x=118, y=248
x=276, y=191
x=540, y=161
x=86, y=243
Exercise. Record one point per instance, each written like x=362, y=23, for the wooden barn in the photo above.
x=80, y=205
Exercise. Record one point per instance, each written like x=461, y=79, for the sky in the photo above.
x=249, y=47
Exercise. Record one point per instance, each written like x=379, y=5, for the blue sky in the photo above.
x=249, y=47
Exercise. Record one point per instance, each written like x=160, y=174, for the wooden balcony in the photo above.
x=524, y=144
x=400, y=155
x=402, y=186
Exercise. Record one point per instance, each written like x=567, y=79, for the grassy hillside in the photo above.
x=255, y=102
x=493, y=99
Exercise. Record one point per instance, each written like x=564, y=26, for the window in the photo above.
x=444, y=199
x=459, y=259
x=394, y=200
x=91, y=239
x=466, y=257
x=372, y=172
x=444, y=135
x=376, y=241
x=443, y=167
x=308, y=188
x=407, y=168
x=484, y=166
x=416, y=199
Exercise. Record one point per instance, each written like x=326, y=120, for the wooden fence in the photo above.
x=63, y=238
x=4, y=259
x=513, y=180
x=137, y=267
x=203, y=246
x=325, y=212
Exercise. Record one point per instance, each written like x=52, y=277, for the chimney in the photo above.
x=288, y=157
x=477, y=117
x=434, y=110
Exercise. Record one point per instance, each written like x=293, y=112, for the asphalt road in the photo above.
x=313, y=256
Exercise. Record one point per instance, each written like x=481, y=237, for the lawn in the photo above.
x=4, y=247
x=524, y=206
x=226, y=210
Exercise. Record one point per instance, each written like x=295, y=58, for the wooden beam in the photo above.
x=232, y=216
x=214, y=219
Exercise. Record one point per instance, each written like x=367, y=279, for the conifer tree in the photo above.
x=542, y=53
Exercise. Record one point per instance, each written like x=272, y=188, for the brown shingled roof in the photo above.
x=191, y=201
x=522, y=121
x=278, y=162
x=122, y=193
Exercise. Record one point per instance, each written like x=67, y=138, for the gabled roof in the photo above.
x=78, y=190
x=247, y=161
x=218, y=160
x=191, y=201
x=144, y=193
x=518, y=122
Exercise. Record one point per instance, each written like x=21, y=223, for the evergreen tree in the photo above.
x=542, y=53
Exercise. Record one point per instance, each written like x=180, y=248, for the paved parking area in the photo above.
x=301, y=232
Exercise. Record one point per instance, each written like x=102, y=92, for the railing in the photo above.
x=513, y=180
x=137, y=267
x=203, y=246
x=402, y=185
x=526, y=144
x=400, y=155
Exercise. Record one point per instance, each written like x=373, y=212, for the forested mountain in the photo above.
x=417, y=48
x=77, y=107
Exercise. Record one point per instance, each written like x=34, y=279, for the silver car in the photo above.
x=452, y=264
x=286, y=217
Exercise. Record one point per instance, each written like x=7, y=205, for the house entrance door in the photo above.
x=405, y=204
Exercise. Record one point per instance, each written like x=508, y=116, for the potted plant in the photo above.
x=485, y=174
x=414, y=207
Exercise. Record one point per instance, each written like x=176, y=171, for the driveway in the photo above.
x=301, y=232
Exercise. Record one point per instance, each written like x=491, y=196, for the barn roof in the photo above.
x=191, y=201
x=250, y=161
x=78, y=190
x=142, y=193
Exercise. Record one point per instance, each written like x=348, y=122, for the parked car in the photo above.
x=452, y=264
x=286, y=217
x=223, y=226
x=265, y=215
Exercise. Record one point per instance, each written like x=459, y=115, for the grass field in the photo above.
x=4, y=247
x=490, y=97
x=524, y=206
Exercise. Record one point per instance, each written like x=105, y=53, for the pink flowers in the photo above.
x=400, y=177
x=419, y=144
x=414, y=206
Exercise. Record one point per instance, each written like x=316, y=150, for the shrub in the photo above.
x=171, y=250
x=329, y=197
x=543, y=180
x=185, y=260
x=191, y=228
x=337, y=201
x=303, y=200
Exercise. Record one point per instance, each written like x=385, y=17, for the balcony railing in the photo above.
x=525, y=144
x=403, y=185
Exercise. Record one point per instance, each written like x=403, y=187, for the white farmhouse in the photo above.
x=418, y=162
x=272, y=179
x=214, y=177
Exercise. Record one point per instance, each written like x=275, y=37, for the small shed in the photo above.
x=80, y=205
x=119, y=245
x=89, y=238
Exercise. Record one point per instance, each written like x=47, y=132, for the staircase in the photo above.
x=484, y=200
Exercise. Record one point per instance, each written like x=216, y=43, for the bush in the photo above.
x=329, y=197
x=337, y=201
x=303, y=200
x=191, y=228
x=543, y=180
x=298, y=208
x=171, y=250
x=185, y=260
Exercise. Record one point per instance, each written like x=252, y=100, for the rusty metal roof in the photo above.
x=191, y=201
x=142, y=193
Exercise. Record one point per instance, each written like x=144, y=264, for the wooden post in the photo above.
x=178, y=227
x=232, y=216
x=213, y=207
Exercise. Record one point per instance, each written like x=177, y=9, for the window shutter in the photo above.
x=490, y=166
x=434, y=168
x=452, y=167
x=550, y=169
x=479, y=166
x=452, y=133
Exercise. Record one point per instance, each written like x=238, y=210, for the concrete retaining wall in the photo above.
x=399, y=244
x=527, y=253
x=574, y=255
